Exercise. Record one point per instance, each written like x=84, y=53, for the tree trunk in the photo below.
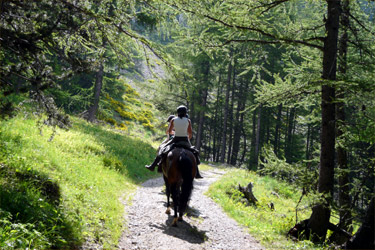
x=319, y=219
x=308, y=141
x=257, y=138
x=204, y=93
x=231, y=114
x=244, y=145
x=217, y=135
x=253, y=158
x=226, y=107
x=288, y=144
x=97, y=90
x=277, y=130
x=238, y=124
x=344, y=197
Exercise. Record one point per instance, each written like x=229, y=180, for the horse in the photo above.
x=179, y=170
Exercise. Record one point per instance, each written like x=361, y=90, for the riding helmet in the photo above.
x=170, y=118
x=181, y=111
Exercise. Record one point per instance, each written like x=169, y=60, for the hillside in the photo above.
x=59, y=193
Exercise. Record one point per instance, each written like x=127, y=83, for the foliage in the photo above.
x=302, y=174
x=63, y=192
x=266, y=225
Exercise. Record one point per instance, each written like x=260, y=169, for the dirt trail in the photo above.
x=206, y=226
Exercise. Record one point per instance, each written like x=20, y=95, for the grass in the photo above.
x=267, y=226
x=61, y=193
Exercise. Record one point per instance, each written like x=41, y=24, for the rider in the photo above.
x=182, y=134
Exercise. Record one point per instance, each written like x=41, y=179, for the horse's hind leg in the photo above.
x=175, y=203
x=168, y=193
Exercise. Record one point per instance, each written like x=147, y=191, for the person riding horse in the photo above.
x=181, y=127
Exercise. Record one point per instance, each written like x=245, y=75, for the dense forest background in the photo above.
x=285, y=88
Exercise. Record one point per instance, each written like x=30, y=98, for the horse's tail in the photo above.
x=186, y=167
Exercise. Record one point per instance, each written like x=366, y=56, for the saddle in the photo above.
x=169, y=148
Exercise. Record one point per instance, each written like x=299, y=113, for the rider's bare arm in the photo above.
x=170, y=128
x=190, y=130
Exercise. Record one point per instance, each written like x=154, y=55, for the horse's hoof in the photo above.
x=168, y=211
x=174, y=223
x=180, y=218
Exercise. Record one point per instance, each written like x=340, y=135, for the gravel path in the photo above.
x=206, y=226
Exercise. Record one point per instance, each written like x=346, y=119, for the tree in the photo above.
x=259, y=27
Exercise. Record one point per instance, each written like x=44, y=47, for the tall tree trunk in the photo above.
x=308, y=142
x=289, y=136
x=257, y=137
x=217, y=122
x=226, y=110
x=277, y=130
x=321, y=213
x=253, y=157
x=342, y=162
x=244, y=145
x=238, y=124
x=204, y=93
x=230, y=128
x=97, y=90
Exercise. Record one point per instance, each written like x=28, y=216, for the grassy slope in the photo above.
x=269, y=227
x=56, y=194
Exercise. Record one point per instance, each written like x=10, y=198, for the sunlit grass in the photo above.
x=268, y=226
x=92, y=168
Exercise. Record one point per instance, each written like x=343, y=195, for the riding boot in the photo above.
x=196, y=154
x=153, y=165
x=198, y=175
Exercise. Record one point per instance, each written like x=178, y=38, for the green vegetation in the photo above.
x=62, y=192
x=268, y=226
x=282, y=86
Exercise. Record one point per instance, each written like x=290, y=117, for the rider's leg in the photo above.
x=153, y=165
x=198, y=175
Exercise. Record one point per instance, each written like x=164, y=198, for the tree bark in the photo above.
x=253, y=158
x=257, y=137
x=319, y=219
x=204, y=93
x=215, y=150
x=231, y=114
x=238, y=124
x=226, y=107
x=342, y=161
x=289, y=136
x=308, y=141
x=97, y=90
x=277, y=130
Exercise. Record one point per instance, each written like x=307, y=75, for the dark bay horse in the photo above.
x=179, y=171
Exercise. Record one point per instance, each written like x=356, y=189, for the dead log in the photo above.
x=248, y=193
x=339, y=236
x=301, y=231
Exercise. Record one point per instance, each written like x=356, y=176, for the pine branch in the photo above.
x=259, y=31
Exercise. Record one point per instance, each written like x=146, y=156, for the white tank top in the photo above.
x=181, y=126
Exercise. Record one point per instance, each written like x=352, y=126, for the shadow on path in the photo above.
x=183, y=231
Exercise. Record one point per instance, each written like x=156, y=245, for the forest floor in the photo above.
x=205, y=226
